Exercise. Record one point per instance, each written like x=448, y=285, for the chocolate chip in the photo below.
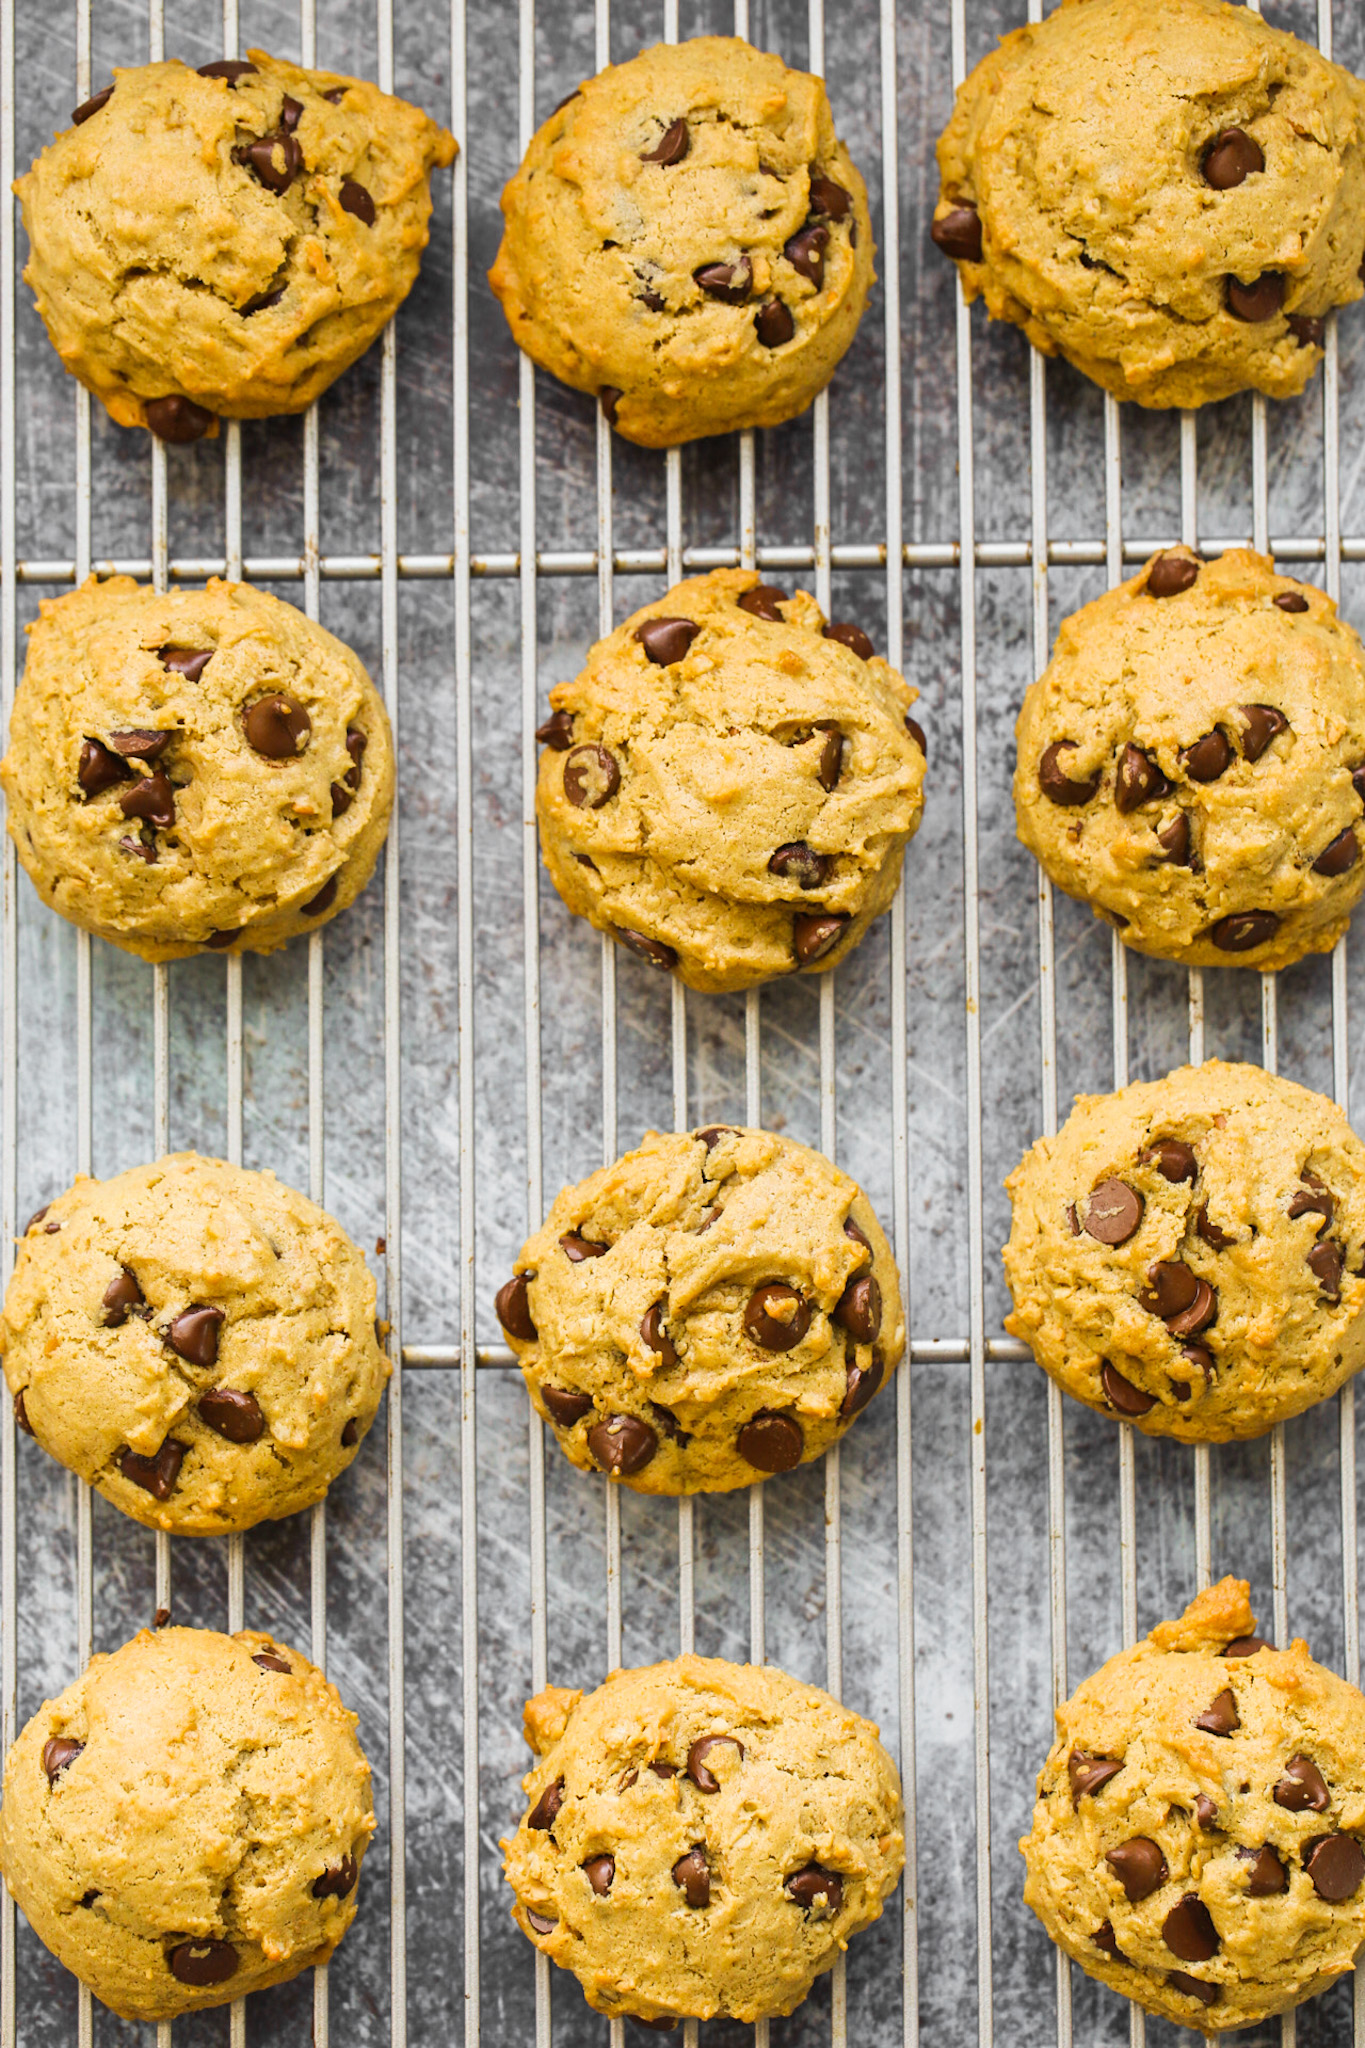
x=557, y=731
x=1171, y=1288
x=1207, y=758
x=797, y=862
x=177, y=418
x=1222, y=1717
x=355, y=199
x=1302, y=1788
x=599, y=1871
x=1267, y=1877
x=276, y=160
x=21, y=1415
x=1230, y=158
x=1290, y=600
x=1122, y=1395
x=828, y=198
x=339, y=1881
x=1089, y=1773
x=81, y=114
x=663, y=1770
x=669, y=1424
x=609, y=397
x=776, y=1316
x=1139, y=1867
x=540, y=1922
x=233, y=1415
x=1340, y=856
x=203, y=1962
x=1336, y=1864
x=546, y=1809
x=1310, y=332
x=713, y=1134
x=860, y=1384
x=859, y=1236
x=727, y=281
x=58, y=1752
x=1103, y=1938
x=916, y=732
x=566, y=1407
x=157, y=1475
x=1054, y=782
x=666, y=640
x=672, y=146
x=35, y=1219
x=1325, y=1264
x=1202, y=1311
x=89, y=1898
x=230, y=68
x=1201, y=1358
x=99, y=769
x=831, y=757
x=816, y=1887
x=698, y=1771
x=655, y=1333
x=849, y=636
x=342, y=799
x=277, y=727
x=150, y=797
x=136, y=848
x=652, y=950
x=771, y=1442
x=1313, y=1199
x=189, y=662
x=773, y=323
x=762, y=602
x=261, y=302
x=591, y=777
x=193, y=1334
x=270, y=1660
x=1245, y=1646
x=350, y=1433
x=1244, y=930
x=141, y=743
x=161, y=1617
x=622, y=1443
x=692, y=1877
x=806, y=252
x=577, y=1248
x=1171, y=573
x=323, y=901
x=1209, y=1230
x=120, y=1297
x=1192, y=1987
x=1138, y=781
x=291, y=113
x=859, y=1309
x=1259, y=300
x=1173, y=1159
x=1205, y=1812
x=1113, y=1212
x=958, y=233
x=814, y=934
x=1263, y=721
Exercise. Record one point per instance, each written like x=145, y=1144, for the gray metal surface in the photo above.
x=974, y=1541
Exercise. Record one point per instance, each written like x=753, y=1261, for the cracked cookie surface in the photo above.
x=204, y=246
x=1197, y=1841
x=1186, y=1254
x=201, y=768
x=717, y=1306
x=196, y=1341
x=703, y=1839
x=186, y=1822
x=729, y=785
x=1169, y=193
x=688, y=239
x=1191, y=762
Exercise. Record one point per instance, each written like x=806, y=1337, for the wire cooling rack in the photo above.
x=435, y=1064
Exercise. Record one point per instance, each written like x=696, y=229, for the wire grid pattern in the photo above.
x=457, y=987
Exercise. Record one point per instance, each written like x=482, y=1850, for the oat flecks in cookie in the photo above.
x=130, y=1858
x=1242, y=1780
x=722, y=1796
x=1193, y=253
x=743, y=1310
x=196, y=1341
x=688, y=240
x=1236, y=1300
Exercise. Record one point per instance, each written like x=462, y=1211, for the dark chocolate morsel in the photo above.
x=232, y=1414
x=566, y=1407
x=705, y=1746
x=622, y=1444
x=58, y=1752
x=177, y=418
x=203, y=1962
x=157, y=1475
x=357, y=200
x=958, y=233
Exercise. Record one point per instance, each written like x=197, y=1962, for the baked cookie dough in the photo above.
x=728, y=786
x=1192, y=762
x=716, y=1306
x=703, y=1839
x=195, y=1341
x=204, y=768
x=1197, y=1841
x=1187, y=1254
x=186, y=1822
x=688, y=239
x=1169, y=193
x=225, y=242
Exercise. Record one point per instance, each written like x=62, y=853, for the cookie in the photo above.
x=1169, y=193
x=195, y=1341
x=1192, y=762
x=186, y=1822
x=703, y=1839
x=688, y=239
x=728, y=786
x=1197, y=1841
x=715, y=1307
x=1187, y=1253
x=225, y=242
x=206, y=768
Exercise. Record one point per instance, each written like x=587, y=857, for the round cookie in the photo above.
x=1197, y=1841
x=715, y=1307
x=226, y=241
x=195, y=1341
x=1192, y=762
x=728, y=786
x=186, y=1822
x=688, y=239
x=1169, y=193
x=1187, y=1254
x=201, y=768
x=703, y=1839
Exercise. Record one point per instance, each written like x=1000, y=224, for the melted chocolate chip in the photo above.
x=189, y=662
x=776, y=1316
x=609, y=397
x=831, y=757
x=622, y=1444
x=203, y=1962
x=270, y=1660
x=916, y=732
x=274, y=160
x=654, y=951
x=355, y=199
x=576, y=1248
x=958, y=233
x=666, y=640
x=1263, y=721
x=1113, y=1212
x=591, y=777
x=120, y=1298
x=151, y=797
x=540, y=1923
x=193, y=1334
x=693, y=1877
x=566, y=1407
x=338, y=1881
x=1230, y=158
x=859, y=1309
x=1313, y=1199
x=1192, y=1987
x=706, y=1746
x=1302, y=1789
x=230, y=68
x=1209, y=1230
x=1245, y=1646
x=350, y=1433
x=58, y=1752
x=98, y=769
x=762, y=602
x=816, y=934
x=1171, y=573
x=1188, y=1930
x=1139, y=781
x=773, y=323
x=1325, y=1263
x=1244, y=930
x=546, y=1809
x=1309, y=331
x=816, y=1890
x=232, y=1414
x=1290, y=600
x=157, y=1475
x=21, y=1415
x=277, y=727
x=771, y=1442
x=1171, y=1288
x=1173, y=1159
x=860, y=1384
x=806, y=252
x=1259, y=300
x=1122, y=1395
x=654, y=1331
x=1222, y=1717
x=1340, y=856
x=1104, y=1938
x=850, y=636
x=177, y=419
x=672, y=146
x=1056, y=784
x=1205, y=1812
x=323, y=901
x=729, y=282
x=1207, y=758
x=81, y=114
x=1089, y=1773
x=797, y=862
x=1267, y=1877
x=557, y=731
x=1175, y=839
x=1336, y=1865
x=141, y=743
x=1139, y=1867
x=599, y=1871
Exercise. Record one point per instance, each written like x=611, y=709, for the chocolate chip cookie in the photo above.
x=703, y=1839
x=195, y=1341
x=715, y=1307
x=688, y=239
x=225, y=242
x=728, y=786
x=186, y=1822
x=1198, y=1838
x=1192, y=762
x=201, y=769
x=1169, y=193
x=1187, y=1254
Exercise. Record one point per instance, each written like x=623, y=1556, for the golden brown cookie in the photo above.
x=225, y=242
x=1169, y=193
x=1197, y=1841
x=703, y=1838
x=688, y=239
